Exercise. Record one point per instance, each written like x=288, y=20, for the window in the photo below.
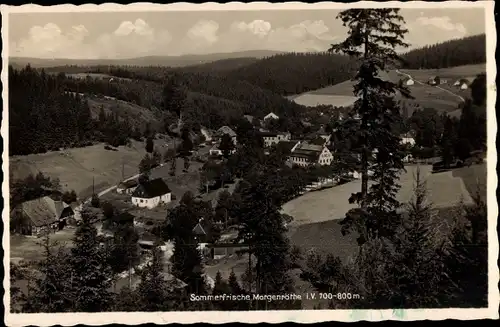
x=142, y=200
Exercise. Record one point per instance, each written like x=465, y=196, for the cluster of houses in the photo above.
x=300, y=152
x=462, y=83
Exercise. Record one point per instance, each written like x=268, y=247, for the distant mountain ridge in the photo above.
x=169, y=61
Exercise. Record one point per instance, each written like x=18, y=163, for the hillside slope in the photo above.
x=293, y=73
x=466, y=51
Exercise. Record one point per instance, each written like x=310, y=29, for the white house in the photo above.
x=215, y=151
x=409, y=81
x=271, y=138
x=305, y=154
x=151, y=194
x=464, y=83
x=407, y=139
x=271, y=115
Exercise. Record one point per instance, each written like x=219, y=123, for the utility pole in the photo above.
x=123, y=171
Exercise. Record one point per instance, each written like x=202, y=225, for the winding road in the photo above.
x=439, y=87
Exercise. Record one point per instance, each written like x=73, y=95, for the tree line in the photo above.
x=45, y=116
x=465, y=51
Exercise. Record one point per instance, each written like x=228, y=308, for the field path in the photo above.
x=439, y=87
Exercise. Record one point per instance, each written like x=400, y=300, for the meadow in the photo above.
x=317, y=229
x=76, y=167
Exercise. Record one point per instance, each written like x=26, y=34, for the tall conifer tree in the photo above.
x=374, y=36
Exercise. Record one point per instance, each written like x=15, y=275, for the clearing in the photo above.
x=76, y=167
x=443, y=99
x=452, y=73
x=444, y=189
x=320, y=228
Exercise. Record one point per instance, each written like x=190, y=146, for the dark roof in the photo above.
x=226, y=130
x=151, y=189
x=124, y=217
x=287, y=146
x=308, y=151
x=128, y=184
x=44, y=211
x=267, y=133
x=199, y=230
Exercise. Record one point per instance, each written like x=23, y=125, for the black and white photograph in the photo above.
x=249, y=162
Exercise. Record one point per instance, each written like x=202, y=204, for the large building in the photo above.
x=305, y=154
x=151, y=194
x=272, y=138
x=32, y=217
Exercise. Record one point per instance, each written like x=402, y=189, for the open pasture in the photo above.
x=452, y=73
x=76, y=167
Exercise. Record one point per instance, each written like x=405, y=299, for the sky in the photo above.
x=116, y=35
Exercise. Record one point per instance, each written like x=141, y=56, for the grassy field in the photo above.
x=443, y=100
x=320, y=228
x=452, y=73
x=76, y=167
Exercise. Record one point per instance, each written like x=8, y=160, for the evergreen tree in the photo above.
x=226, y=145
x=124, y=248
x=149, y=145
x=417, y=266
x=91, y=274
x=448, y=139
x=186, y=260
x=264, y=231
x=373, y=36
x=154, y=293
x=52, y=290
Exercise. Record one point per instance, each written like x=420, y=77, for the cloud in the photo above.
x=49, y=41
x=428, y=30
x=129, y=39
x=260, y=35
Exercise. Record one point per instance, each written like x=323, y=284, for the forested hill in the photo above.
x=294, y=73
x=466, y=51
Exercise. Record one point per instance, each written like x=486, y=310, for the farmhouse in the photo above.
x=434, y=80
x=408, y=81
x=271, y=138
x=305, y=154
x=32, y=217
x=464, y=83
x=271, y=115
x=127, y=187
x=226, y=130
x=151, y=194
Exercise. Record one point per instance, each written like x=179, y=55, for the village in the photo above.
x=155, y=181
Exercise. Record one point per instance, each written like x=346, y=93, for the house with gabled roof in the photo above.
x=305, y=154
x=40, y=214
x=226, y=130
x=271, y=138
x=464, y=83
x=271, y=115
x=151, y=194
